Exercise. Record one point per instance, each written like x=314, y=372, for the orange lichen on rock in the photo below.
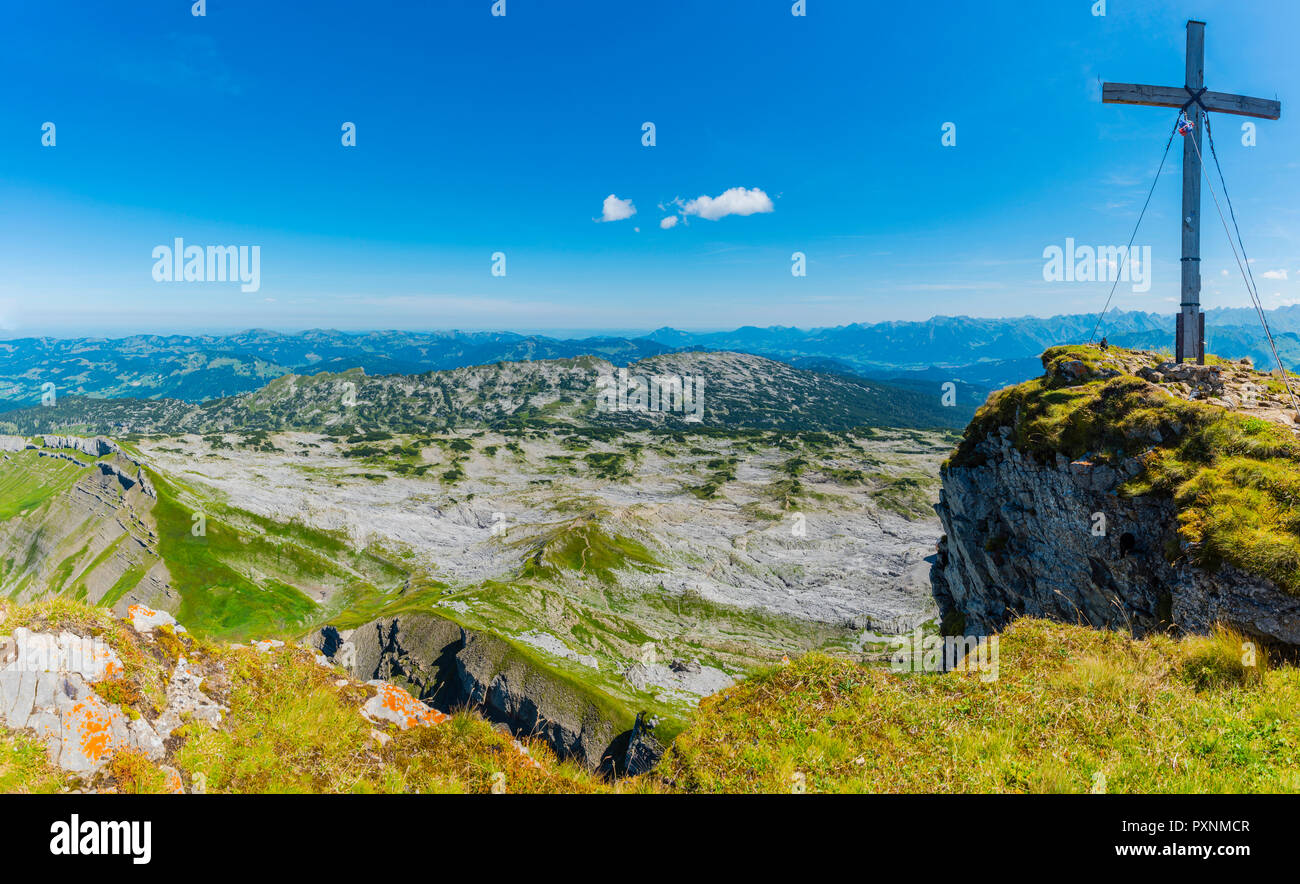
x=400, y=702
x=146, y=619
x=174, y=785
x=393, y=704
x=112, y=666
x=88, y=728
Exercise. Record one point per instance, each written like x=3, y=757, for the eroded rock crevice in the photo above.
x=450, y=667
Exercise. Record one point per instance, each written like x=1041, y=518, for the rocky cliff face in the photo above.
x=448, y=666
x=96, y=447
x=1024, y=538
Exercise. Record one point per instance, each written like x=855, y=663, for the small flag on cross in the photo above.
x=1185, y=126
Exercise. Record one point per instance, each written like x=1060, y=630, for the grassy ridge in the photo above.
x=28, y=480
x=582, y=545
x=43, y=529
x=240, y=578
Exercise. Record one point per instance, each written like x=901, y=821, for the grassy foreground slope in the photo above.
x=291, y=725
x=1073, y=710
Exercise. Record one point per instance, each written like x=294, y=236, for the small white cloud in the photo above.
x=736, y=201
x=669, y=222
x=1274, y=274
x=616, y=209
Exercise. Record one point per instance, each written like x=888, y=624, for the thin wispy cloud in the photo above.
x=950, y=286
x=181, y=62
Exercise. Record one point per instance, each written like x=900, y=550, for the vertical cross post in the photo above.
x=1197, y=102
x=1191, y=324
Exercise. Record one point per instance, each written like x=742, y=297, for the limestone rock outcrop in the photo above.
x=1058, y=540
x=186, y=700
x=94, y=447
x=50, y=685
x=47, y=686
x=394, y=705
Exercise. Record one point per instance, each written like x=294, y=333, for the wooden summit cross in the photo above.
x=1195, y=101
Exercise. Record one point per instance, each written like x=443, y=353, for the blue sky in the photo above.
x=479, y=134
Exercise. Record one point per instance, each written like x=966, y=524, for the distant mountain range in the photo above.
x=984, y=353
x=991, y=352
x=201, y=367
x=726, y=391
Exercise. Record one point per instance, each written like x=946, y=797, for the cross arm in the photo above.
x=1177, y=96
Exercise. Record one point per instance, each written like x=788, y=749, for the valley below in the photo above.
x=625, y=570
x=827, y=529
